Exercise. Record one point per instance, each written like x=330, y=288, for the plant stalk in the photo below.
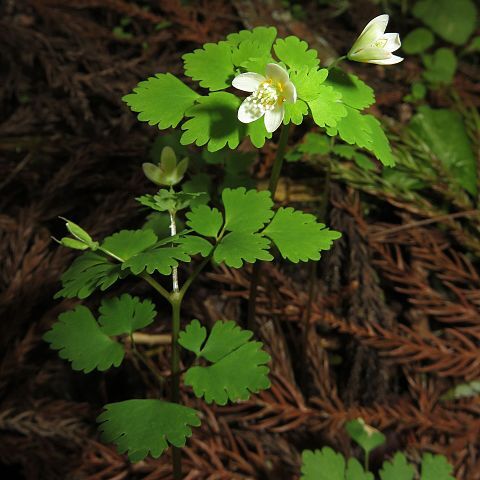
x=272, y=187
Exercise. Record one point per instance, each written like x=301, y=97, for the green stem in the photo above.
x=194, y=275
x=176, y=302
x=279, y=157
x=145, y=361
x=337, y=61
x=272, y=187
x=153, y=283
x=366, y=464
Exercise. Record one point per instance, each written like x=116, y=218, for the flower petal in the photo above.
x=277, y=73
x=375, y=29
x=248, y=82
x=391, y=60
x=393, y=42
x=249, y=111
x=274, y=118
x=290, y=92
x=369, y=54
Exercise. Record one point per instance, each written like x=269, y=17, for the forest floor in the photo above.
x=395, y=315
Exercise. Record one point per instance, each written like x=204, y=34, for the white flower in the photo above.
x=269, y=94
x=374, y=45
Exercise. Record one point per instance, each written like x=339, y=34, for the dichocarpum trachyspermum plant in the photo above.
x=285, y=85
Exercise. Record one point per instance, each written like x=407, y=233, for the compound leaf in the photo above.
x=127, y=243
x=240, y=246
x=211, y=65
x=143, y=427
x=323, y=464
x=355, y=93
x=125, y=314
x=161, y=100
x=80, y=340
x=205, y=221
x=436, y=467
x=88, y=272
x=238, y=369
x=246, y=210
x=397, y=469
x=327, y=108
x=295, y=53
x=191, y=245
x=298, y=236
x=354, y=128
x=214, y=121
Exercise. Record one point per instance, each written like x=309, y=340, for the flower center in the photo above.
x=267, y=95
x=380, y=43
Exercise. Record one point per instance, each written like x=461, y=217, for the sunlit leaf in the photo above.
x=211, y=65
x=205, y=220
x=436, y=467
x=161, y=100
x=214, y=122
x=327, y=108
x=295, y=53
x=355, y=93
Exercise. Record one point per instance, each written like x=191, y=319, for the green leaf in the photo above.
x=258, y=133
x=193, y=245
x=224, y=338
x=379, y=144
x=205, y=220
x=356, y=472
x=211, y=65
x=295, y=53
x=143, y=427
x=350, y=153
x=161, y=259
x=298, y=236
x=246, y=210
x=127, y=243
x=125, y=314
x=441, y=66
x=214, y=121
x=238, y=369
x=167, y=201
x=445, y=135
x=264, y=36
x=354, y=128
x=463, y=390
x=193, y=337
x=323, y=464
x=355, y=93
x=252, y=56
x=294, y=112
x=397, y=469
x=308, y=82
x=366, y=436
x=80, y=340
x=161, y=100
x=436, y=467
x=88, y=272
x=239, y=246
x=417, y=41
x=327, y=108
x=453, y=21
